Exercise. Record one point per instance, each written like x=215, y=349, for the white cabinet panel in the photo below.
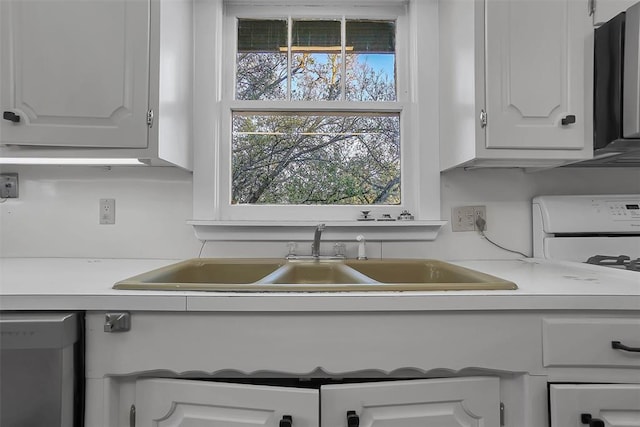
x=449, y=402
x=331, y=342
x=188, y=403
x=588, y=342
x=75, y=72
x=617, y=405
x=535, y=74
x=510, y=72
x=452, y=402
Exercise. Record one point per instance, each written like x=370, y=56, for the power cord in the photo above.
x=481, y=224
x=204, y=242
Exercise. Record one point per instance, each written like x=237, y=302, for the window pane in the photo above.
x=316, y=159
x=370, y=48
x=316, y=60
x=261, y=60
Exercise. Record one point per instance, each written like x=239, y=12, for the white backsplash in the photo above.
x=56, y=214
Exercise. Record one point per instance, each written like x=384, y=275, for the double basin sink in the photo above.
x=315, y=275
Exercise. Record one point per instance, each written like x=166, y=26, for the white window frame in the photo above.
x=417, y=103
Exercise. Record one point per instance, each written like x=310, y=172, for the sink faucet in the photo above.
x=315, y=248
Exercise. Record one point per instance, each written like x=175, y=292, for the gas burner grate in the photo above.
x=620, y=261
x=634, y=265
x=608, y=260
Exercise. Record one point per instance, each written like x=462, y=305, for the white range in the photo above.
x=596, y=229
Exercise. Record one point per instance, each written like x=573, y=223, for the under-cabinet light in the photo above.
x=67, y=161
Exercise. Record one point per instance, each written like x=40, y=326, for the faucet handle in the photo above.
x=291, y=248
x=362, y=252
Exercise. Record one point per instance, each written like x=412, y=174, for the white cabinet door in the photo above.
x=535, y=74
x=617, y=405
x=450, y=402
x=189, y=403
x=607, y=9
x=75, y=72
x=510, y=72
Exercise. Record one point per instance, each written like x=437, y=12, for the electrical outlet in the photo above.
x=463, y=218
x=8, y=185
x=107, y=211
x=480, y=212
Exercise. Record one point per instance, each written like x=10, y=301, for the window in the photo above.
x=313, y=61
x=312, y=157
x=315, y=159
x=314, y=113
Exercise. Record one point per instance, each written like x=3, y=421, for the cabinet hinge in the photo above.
x=150, y=118
x=501, y=413
x=483, y=119
x=592, y=7
x=132, y=416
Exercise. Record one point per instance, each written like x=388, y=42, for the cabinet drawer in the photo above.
x=588, y=342
x=614, y=404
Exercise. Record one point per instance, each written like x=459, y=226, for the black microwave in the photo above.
x=616, y=97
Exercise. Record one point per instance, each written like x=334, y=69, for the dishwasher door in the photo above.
x=41, y=369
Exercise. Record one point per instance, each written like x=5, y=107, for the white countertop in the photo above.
x=86, y=284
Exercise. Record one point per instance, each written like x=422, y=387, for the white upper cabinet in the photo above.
x=516, y=82
x=96, y=78
x=534, y=60
x=603, y=10
x=75, y=72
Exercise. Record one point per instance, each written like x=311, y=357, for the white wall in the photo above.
x=56, y=214
x=507, y=195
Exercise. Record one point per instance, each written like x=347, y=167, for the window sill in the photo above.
x=303, y=230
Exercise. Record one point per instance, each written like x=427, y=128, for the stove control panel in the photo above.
x=619, y=214
x=624, y=209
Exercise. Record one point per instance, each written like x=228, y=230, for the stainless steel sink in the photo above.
x=277, y=275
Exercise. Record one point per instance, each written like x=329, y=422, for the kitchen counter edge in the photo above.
x=85, y=285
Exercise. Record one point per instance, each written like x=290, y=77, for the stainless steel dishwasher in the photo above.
x=41, y=369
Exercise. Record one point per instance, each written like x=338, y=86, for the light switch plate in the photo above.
x=8, y=185
x=463, y=218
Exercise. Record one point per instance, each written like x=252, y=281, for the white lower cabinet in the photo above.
x=169, y=402
x=595, y=344
x=590, y=341
x=452, y=402
x=595, y=405
x=384, y=369
x=447, y=402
